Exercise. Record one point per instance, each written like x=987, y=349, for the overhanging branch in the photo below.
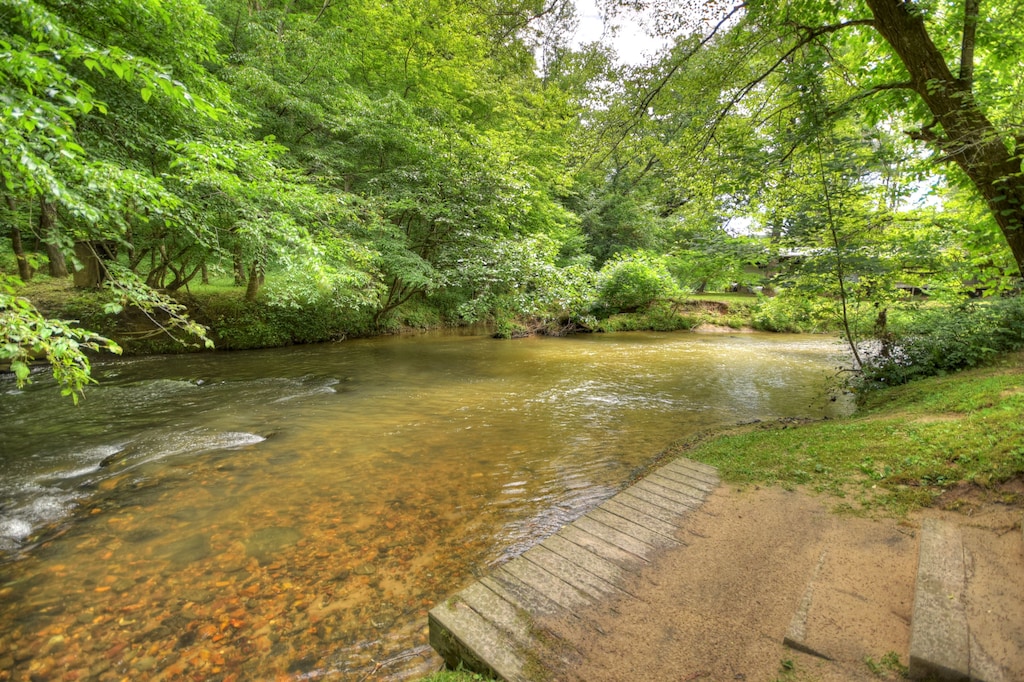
x=809, y=34
x=641, y=109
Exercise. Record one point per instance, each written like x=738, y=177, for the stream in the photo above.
x=294, y=513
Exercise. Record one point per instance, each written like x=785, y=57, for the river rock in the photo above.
x=122, y=585
x=55, y=644
x=196, y=596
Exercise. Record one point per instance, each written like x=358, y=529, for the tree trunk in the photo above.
x=967, y=136
x=255, y=280
x=239, y=267
x=91, y=274
x=24, y=268
x=47, y=223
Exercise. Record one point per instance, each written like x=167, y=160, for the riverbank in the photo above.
x=234, y=323
x=950, y=447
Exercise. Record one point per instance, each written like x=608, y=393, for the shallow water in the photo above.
x=293, y=513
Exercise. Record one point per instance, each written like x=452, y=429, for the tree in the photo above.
x=947, y=72
x=53, y=69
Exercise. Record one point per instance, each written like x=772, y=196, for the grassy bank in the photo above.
x=955, y=441
x=942, y=440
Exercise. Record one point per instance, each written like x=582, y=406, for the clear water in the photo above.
x=294, y=513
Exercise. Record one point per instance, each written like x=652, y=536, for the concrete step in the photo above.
x=968, y=618
x=939, y=638
x=494, y=626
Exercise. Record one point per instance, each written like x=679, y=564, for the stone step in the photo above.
x=968, y=619
x=939, y=636
x=842, y=616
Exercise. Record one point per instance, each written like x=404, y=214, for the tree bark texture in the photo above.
x=237, y=265
x=47, y=230
x=91, y=274
x=24, y=269
x=967, y=136
x=255, y=280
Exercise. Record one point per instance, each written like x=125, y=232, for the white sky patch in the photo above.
x=631, y=41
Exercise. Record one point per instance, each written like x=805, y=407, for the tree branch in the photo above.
x=640, y=110
x=904, y=85
x=810, y=34
x=925, y=133
x=326, y=6
x=967, y=42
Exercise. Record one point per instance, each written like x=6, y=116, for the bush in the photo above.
x=939, y=341
x=787, y=314
x=628, y=283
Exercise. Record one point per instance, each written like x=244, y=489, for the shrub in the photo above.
x=785, y=314
x=660, y=317
x=634, y=281
x=944, y=340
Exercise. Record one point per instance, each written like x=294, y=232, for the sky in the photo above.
x=632, y=43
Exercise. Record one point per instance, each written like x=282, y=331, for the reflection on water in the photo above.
x=294, y=513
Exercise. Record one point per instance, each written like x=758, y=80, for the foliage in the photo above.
x=459, y=675
x=521, y=278
x=359, y=167
x=660, y=317
x=795, y=313
x=629, y=282
x=758, y=78
x=707, y=258
x=888, y=665
x=946, y=339
x=28, y=335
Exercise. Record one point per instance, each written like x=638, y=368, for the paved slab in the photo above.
x=968, y=618
x=939, y=637
x=491, y=626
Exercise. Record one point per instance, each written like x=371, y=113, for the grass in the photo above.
x=903, y=449
x=889, y=667
x=454, y=676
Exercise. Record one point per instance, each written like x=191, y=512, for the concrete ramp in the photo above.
x=492, y=626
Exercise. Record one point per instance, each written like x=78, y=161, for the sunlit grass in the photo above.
x=454, y=676
x=900, y=451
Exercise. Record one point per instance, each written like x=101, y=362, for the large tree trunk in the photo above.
x=961, y=129
x=47, y=222
x=91, y=274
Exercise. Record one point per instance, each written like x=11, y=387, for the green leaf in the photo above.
x=146, y=94
x=20, y=370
